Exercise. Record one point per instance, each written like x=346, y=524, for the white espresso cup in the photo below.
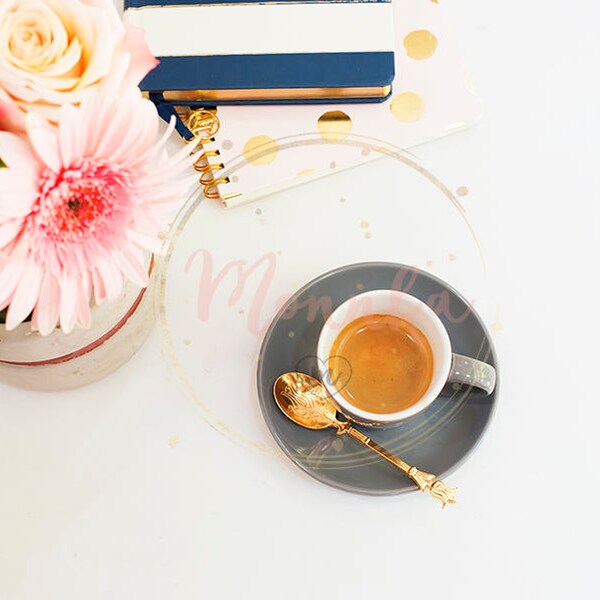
x=447, y=366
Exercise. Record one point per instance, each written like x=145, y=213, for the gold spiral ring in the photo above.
x=204, y=124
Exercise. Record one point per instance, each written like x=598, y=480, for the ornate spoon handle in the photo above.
x=426, y=481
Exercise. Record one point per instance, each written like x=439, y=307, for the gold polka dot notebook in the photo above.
x=252, y=151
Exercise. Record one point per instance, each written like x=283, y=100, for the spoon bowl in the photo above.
x=304, y=400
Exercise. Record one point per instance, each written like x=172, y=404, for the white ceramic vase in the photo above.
x=60, y=361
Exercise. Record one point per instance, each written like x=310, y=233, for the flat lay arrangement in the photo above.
x=254, y=295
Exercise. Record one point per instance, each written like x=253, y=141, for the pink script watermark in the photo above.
x=257, y=278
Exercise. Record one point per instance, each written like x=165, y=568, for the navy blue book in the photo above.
x=215, y=52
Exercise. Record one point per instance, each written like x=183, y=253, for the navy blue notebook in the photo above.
x=215, y=52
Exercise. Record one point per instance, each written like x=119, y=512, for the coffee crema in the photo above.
x=381, y=363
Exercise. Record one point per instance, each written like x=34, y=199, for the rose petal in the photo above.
x=11, y=116
x=142, y=60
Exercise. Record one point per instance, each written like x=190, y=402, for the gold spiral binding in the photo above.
x=204, y=124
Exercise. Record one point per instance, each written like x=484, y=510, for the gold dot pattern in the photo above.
x=407, y=107
x=420, y=44
x=260, y=150
x=334, y=126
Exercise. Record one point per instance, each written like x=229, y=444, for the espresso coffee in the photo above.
x=381, y=363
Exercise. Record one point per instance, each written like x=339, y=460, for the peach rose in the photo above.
x=55, y=52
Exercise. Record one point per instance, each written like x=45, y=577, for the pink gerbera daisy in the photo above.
x=81, y=205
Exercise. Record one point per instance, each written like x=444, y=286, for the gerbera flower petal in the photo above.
x=84, y=313
x=18, y=194
x=70, y=140
x=69, y=302
x=146, y=241
x=17, y=151
x=47, y=310
x=9, y=279
x=44, y=141
x=152, y=151
x=131, y=268
x=98, y=288
x=113, y=134
x=138, y=136
x=25, y=296
x=9, y=230
x=112, y=279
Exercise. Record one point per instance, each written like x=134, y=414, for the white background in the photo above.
x=127, y=490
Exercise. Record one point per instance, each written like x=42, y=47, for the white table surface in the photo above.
x=127, y=489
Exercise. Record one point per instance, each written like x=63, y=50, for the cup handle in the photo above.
x=470, y=371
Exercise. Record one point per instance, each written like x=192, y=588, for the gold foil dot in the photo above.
x=342, y=199
x=227, y=145
x=241, y=311
x=420, y=44
x=360, y=286
x=364, y=224
x=173, y=441
x=260, y=150
x=451, y=257
x=366, y=151
x=235, y=178
x=187, y=342
x=258, y=211
x=429, y=263
x=407, y=107
x=463, y=190
x=334, y=126
x=291, y=334
x=368, y=235
x=456, y=386
x=305, y=172
x=332, y=164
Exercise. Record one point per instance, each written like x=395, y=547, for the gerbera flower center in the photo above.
x=89, y=201
x=82, y=212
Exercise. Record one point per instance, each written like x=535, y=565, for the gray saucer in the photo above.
x=437, y=440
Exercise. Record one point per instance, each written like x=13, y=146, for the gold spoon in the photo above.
x=305, y=401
